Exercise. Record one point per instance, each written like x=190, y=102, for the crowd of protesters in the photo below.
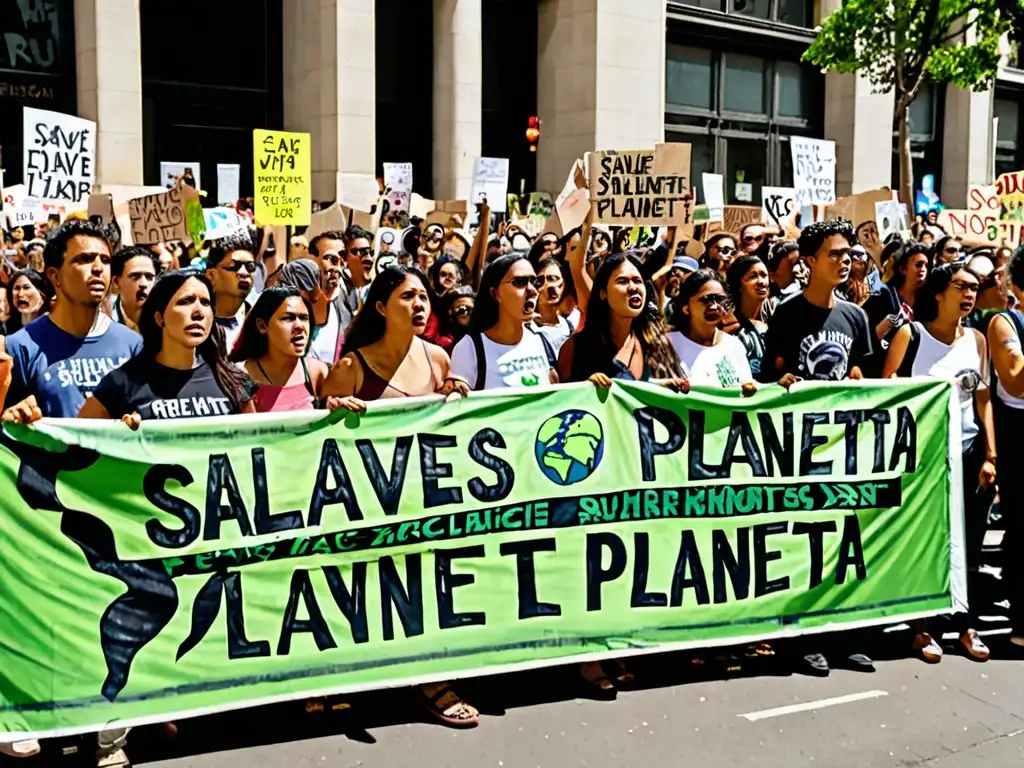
x=96, y=331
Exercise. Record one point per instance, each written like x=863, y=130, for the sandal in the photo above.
x=622, y=674
x=447, y=706
x=974, y=645
x=929, y=649
x=597, y=681
x=27, y=748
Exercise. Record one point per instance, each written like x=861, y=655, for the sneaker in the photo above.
x=974, y=645
x=925, y=645
x=859, y=662
x=815, y=664
x=27, y=748
x=115, y=759
x=1017, y=637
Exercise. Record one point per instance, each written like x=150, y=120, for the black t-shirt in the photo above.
x=814, y=342
x=155, y=391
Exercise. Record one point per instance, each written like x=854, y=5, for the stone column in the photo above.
x=600, y=80
x=329, y=86
x=966, y=144
x=458, y=95
x=109, y=76
x=860, y=123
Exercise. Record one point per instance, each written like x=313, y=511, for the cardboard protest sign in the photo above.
x=166, y=216
x=736, y=217
x=980, y=228
x=206, y=599
x=573, y=203
x=490, y=180
x=228, y=176
x=646, y=187
x=984, y=198
x=814, y=171
x=327, y=219
x=778, y=206
x=1010, y=189
x=101, y=208
x=713, y=185
x=281, y=165
x=419, y=206
x=860, y=207
x=358, y=191
x=445, y=210
x=59, y=156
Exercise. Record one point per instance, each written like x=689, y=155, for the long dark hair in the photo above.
x=735, y=274
x=252, y=344
x=41, y=284
x=445, y=304
x=899, y=277
x=485, y=311
x=926, y=300
x=369, y=325
x=232, y=380
x=680, y=320
x=595, y=351
x=435, y=271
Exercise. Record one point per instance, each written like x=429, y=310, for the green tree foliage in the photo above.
x=899, y=45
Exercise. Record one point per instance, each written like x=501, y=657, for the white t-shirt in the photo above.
x=522, y=365
x=556, y=334
x=325, y=345
x=723, y=365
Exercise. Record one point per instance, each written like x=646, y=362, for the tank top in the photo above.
x=376, y=387
x=959, y=361
x=1017, y=403
x=271, y=398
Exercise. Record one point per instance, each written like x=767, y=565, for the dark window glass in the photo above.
x=922, y=114
x=690, y=77
x=795, y=12
x=711, y=5
x=744, y=89
x=1007, y=114
x=760, y=9
x=794, y=90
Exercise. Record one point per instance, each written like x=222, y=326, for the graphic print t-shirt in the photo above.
x=814, y=342
x=62, y=370
x=522, y=365
x=721, y=365
x=155, y=391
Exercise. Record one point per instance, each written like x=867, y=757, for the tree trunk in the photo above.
x=906, y=166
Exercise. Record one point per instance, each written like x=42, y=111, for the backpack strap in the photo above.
x=572, y=328
x=481, y=361
x=906, y=368
x=549, y=351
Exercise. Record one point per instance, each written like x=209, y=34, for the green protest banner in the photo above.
x=218, y=563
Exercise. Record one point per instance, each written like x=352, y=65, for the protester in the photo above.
x=991, y=293
x=892, y=307
x=340, y=291
x=857, y=289
x=165, y=257
x=33, y=255
x=782, y=267
x=500, y=351
x=28, y=296
x=624, y=336
x=272, y=347
x=1004, y=340
x=549, y=321
x=59, y=358
x=181, y=371
x=748, y=284
x=682, y=268
x=719, y=251
x=298, y=248
x=446, y=274
x=455, y=309
x=946, y=250
x=752, y=237
x=936, y=344
x=133, y=270
x=358, y=263
x=231, y=269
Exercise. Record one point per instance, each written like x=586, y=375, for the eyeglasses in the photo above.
x=238, y=266
x=360, y=251
x=965, y=285
x=521, y=282
x=462, y=311
x=332, y=258
x=713, y=298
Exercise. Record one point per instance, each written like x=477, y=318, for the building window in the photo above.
x=738, y=112
x=798, y=13
x=1007, y=113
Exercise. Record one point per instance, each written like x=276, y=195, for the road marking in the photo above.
x=764, y=714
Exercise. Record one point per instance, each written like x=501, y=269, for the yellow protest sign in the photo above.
x=281, y=166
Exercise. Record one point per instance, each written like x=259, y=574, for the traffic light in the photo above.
x=533, y=132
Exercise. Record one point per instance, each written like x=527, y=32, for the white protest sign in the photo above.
x=59, y=156
x=573, y=203
x=814, y=171
x=227, y=182
x=398, y=176
x=778, y=206
x=358, y=191
x=889, y=218
x=171, y=171
x=490, y=180
x=223, y=221
x=714, y=195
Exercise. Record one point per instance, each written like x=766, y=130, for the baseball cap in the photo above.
x=687, y=263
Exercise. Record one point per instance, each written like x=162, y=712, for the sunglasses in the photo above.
x=858, y=255
x=953, y=250
x=360, y=251
x=713, y=298
x=965, y=285
x=752, y=239
x=462, y=311
x=521, y=282
x=238, y=266
x=332, y=258
x=728, y=251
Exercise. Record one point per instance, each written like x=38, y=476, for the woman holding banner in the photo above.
x=182, y=370
x=385, y=357
x=937, y=344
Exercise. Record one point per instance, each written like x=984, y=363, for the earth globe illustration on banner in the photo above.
x=569, y=447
